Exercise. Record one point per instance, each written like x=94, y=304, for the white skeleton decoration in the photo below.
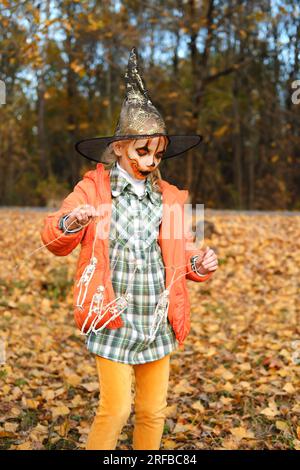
x=85, y=280
x=95, y=307
x=160, y=313
x=118, y=305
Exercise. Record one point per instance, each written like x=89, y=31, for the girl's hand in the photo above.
x=207, y=262
x=81, y=215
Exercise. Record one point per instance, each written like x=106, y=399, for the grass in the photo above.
x=29, y=418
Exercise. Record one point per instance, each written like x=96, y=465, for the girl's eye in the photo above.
x=142, y=153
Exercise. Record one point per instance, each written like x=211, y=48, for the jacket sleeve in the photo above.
x=191, y=250
x=52, y=236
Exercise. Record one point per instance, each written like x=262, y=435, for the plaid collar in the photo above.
x=119, y=183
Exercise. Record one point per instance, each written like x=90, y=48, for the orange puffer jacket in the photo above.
x=176, y=245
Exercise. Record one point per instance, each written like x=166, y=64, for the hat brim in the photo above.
x=93, y=148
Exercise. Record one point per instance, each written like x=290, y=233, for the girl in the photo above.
x=130, y=291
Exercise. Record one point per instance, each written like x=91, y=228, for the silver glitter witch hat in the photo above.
x=138, y=114
x=138, y=119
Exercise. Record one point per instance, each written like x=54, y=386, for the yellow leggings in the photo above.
x=151, y=387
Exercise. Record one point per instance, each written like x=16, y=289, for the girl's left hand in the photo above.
x=208, y=262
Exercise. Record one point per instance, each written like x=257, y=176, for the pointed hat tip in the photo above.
x=133, y=50
x=133, y=56
x=133, y=63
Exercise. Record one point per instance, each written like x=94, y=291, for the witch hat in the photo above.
x=138, y=119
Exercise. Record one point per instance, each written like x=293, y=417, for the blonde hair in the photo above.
x=110, y=158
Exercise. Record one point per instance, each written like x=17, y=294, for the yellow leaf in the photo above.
x=183, y=387
x=230, y=443
x=94, y=25
x=32, y=403
x=59, y=391
x=270, y=411
x=180, y=428
x=63, y=428
x=282, y=426
x=38, y=432
x=198, y=406
x=296, y=443
x=73, y=380
x=289, y=388
x=48, y=394
x=50, y=22
x=173, y=94
x=60, y=410
x=259, y=15
x=227, y=375
x=274, y=158
x=171, y=411
x=209, y=388
x=46, y=305
x=169, y=444
x=224, y=373
x=77, y=400
x=91, y=387
x=221, y=131
x=210, y=352
x=228, y=387
x=245, y=384
x=296, y=408
x=6, y=389
x=242, y=433
x=226, y=400
x=212, y=328
x=245, y=366
x=11, y=427
x=15, y=411
x=83, y=125
x=24, y=446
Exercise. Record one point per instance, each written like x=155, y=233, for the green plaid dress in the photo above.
x=133, y=238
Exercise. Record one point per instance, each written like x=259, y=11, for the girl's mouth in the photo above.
x=140, y=172
x=144, y=173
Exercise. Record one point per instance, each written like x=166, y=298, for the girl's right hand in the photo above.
x=81, y=215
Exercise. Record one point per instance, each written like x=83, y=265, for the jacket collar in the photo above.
x=101, y=178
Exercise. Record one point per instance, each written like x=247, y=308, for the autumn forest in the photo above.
x=225, y=70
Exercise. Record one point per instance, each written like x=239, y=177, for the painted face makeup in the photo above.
x=145, y=155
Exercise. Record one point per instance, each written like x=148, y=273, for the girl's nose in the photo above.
x=150, y=161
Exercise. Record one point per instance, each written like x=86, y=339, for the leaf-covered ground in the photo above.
x=236, y=384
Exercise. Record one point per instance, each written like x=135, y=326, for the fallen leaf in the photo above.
x=60, y=411
x=91, y=387
x=242, y=433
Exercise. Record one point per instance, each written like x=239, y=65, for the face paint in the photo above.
x=139, y=170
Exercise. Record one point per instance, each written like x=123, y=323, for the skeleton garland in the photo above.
x=119, y=304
